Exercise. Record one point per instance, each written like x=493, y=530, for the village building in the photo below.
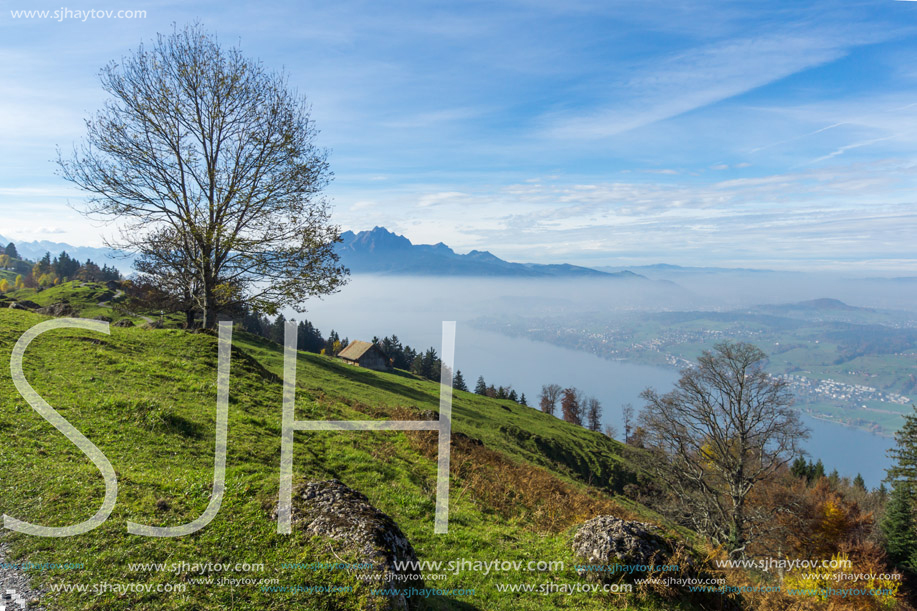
x=365, y=354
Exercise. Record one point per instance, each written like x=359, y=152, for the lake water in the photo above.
x=379, y=307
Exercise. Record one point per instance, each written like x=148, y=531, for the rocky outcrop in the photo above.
x=57, y=310
x=124, y=322
x=607, y=540
x=24, y=304
x=331, y=509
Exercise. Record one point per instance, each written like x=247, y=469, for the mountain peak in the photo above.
x=382, y=251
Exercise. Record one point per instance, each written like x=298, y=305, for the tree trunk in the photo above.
x=737, y=532
x=208, y=282
x=209, y=321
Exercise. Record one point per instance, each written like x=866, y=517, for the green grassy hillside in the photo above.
x=147, y=399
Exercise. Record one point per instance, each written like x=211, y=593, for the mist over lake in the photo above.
x=413, y=308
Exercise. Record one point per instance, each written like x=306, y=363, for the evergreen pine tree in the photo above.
x=277, y=329
x=819, y=471
x=900, y=520
x=904, y=454
x=458, y=382
x=859, y=483
x=417, y=366
x=522, y=400
x=898, y=525
x=799, y=468
x=430, y=365
x=481, y=387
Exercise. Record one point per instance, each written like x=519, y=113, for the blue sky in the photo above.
x=771, y=134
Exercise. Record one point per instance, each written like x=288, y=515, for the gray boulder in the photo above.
x=331, y=509
x=607, y=540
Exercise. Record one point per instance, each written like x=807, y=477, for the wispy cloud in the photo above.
x=695, y=78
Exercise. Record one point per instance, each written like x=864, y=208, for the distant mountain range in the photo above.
x=381, y=251
x=668, y=268
x=822, y=304
x=101, y=256
x=378, y=251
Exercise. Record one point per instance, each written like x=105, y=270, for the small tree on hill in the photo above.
x=594, y=414
x=726, y=427
x=898, y=526
x=458, y=381
x=627, y=412
x=570, y=406
x=202, y=142
x=550, y=394
x=819, y=471
x=481, y=387
x=859, y=483
x=11, y=251
x=900, y=519
x=43, y=266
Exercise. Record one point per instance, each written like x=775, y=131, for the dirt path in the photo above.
x=119, y=293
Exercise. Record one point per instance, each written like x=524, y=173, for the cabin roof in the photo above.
x=357, y=349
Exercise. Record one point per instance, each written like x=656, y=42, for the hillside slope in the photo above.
x=147, y=399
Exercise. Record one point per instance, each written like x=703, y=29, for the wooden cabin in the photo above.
x=365, y=354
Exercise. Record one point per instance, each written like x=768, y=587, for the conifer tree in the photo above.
x=898, y=526
x=458, y=382
x=900, y=520
x=819, y=471
x=481, y=387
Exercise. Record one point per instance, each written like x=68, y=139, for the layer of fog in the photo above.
x=413, y=308
x=401, y=302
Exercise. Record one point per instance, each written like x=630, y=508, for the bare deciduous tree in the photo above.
x=550, y=394
x=202, y=145
x=725, y=427
x=627, y=411
x=593, y=414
